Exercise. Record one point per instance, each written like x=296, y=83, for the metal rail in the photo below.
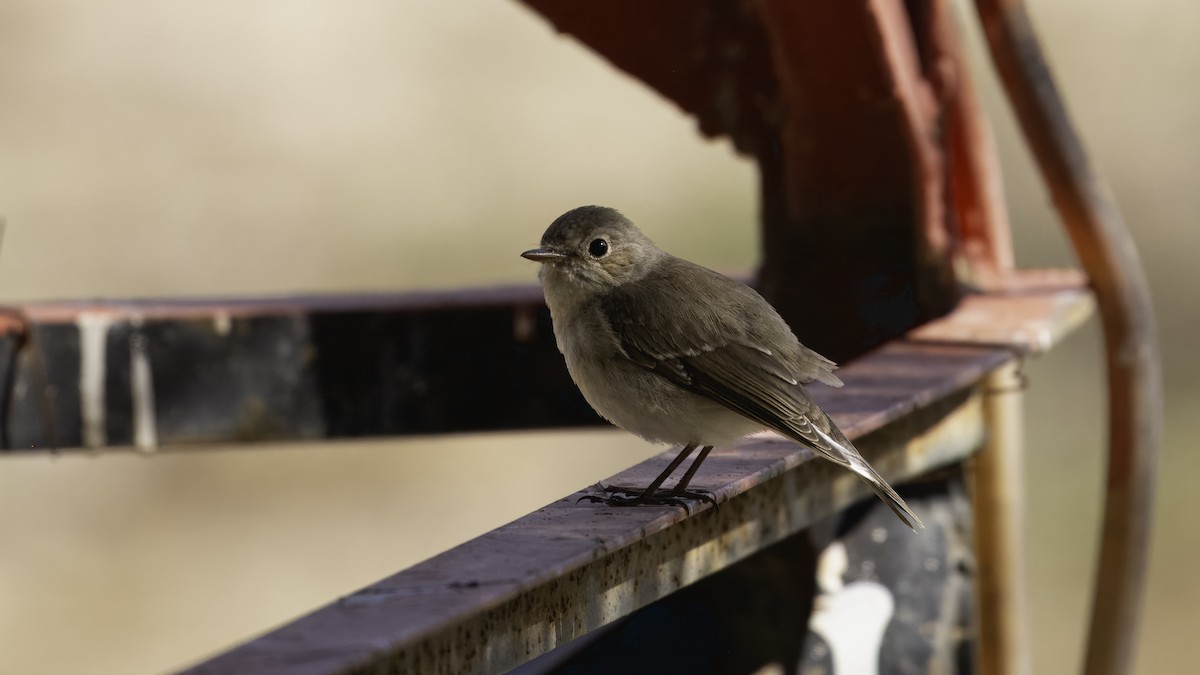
x=157, y=374
x=1110, y=259
x=913, y=405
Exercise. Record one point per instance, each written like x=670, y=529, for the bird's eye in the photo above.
x=598, y=248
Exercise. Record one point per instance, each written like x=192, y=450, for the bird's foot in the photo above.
x=616, y=495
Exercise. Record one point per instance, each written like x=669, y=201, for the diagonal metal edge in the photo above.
x=568, y=568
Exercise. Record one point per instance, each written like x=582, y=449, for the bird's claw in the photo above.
x=624, y=496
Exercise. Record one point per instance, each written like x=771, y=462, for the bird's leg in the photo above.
x=654, y=485
x=680, y=489
x=654, y=494
x=657, y=482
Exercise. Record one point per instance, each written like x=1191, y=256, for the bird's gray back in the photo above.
x=716, y=312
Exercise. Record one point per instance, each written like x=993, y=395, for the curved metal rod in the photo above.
x=1110, y=259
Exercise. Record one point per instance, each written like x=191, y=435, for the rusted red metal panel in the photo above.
x=709, y=57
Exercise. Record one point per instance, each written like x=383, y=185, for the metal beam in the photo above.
x=572, y=567
x=523, y=589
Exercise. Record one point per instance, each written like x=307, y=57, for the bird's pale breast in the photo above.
x=629, y=395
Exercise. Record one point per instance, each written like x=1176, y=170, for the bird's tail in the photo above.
x=842, y=451
x=894, y=501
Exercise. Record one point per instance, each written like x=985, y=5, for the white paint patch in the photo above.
x=831, y=567
x=145, y=429
x=93, y=335
x=851, y=618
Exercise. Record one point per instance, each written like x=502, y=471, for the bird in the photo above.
x=676, y=353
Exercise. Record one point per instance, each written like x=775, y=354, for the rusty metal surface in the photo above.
x=892, y=603
x=1108, y=254
x=568, y=568
x=157, y=373
x=572, y=567
x=1030, y=311
x=855, y=593
x=998, y=493
x=853, y=196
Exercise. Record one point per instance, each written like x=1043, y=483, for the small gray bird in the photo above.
x=677, y=353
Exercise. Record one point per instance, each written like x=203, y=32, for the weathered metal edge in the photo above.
x=223, y=308
x=1029, y=311
x=524, y=601
x=455, y=612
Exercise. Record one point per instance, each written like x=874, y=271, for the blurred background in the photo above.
x=183, y=149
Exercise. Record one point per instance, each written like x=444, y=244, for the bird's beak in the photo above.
x=543, y=255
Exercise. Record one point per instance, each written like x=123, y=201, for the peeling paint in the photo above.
x=93, y=337
x=851, y=618
x=145, y=430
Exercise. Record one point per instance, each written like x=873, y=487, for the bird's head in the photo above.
x=593, y=249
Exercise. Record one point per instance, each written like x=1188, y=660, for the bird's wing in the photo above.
x=749, y=381
x=727, y=313
x=715, y=354
x=744, y=379
x=719, y=350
